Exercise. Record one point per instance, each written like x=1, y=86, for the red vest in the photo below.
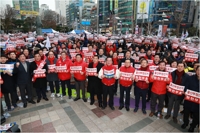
x=109, y=72
x=126, y=82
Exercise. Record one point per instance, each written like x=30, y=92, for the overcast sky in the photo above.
x=50, y=3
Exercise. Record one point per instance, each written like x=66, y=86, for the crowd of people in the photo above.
x=157, y=75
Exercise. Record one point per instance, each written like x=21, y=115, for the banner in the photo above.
x=126, y=76
x=10, y=47
x=40, y=73
x=143, y=9
x=137, y=66
x=141, y=75
x=136, y=59
x=170, y=69
x=142, y=54
x=102, y=60
x=30, y=60
x=150, y=61
x=88, y=55
x=152, y=68
x=159, y=31
x=161, y=76
x=164, y=30
x=23, y=12
x=192, y=96
x=91, y=71
x=8, y=67
x=191, y=57
x=61, y=69
x=176, y=89
x=109, y=73
x=84, y=49
x=52, y=68
x=76, y=69
x=72, y=51
x=121, y=56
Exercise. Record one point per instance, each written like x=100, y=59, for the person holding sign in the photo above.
x=8, y=86
x=94, y=83
x=160, y=80
x=142, y=84
x=38, y=70
x=175, y=92
x=79, y=71
x=191, y=103
x=63, y=69
x=52, y=76
x=126, y=81
x=127, y=56
x=108, y=74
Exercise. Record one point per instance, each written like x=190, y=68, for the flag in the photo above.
x=186, y=34
x=160, y=31
x=48, y=44
x=7, y=41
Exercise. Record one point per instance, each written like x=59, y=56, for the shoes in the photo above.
x=33, y=102
x=191, y=129
x=15, y=106
x=76, y=98
x=92, y=102
x=127, y=108
x=38, y=100
x=85, y=100
x=175, y=120
x=100, y=105
x=52, y=95
x=121, y=107
x=57, y=95
x=70, y=97
x=135, y=110
x=144, y=111
x=25, y=105
x=184, y=126
x=151, y=114
x=167, y=117
x=112, y=108
x=46, y=99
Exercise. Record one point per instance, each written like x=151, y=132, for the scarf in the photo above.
x=179, y=77
x=143, y=68
x=38, y=62
x=95, y=65
x=115, y=61
x=51, y=60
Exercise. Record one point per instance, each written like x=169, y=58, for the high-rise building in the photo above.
x=43, y=8
x=73, y=14
x=196, y=22
x=93, y=21
x=60, y=7
x=26, y=8
x=67, y=15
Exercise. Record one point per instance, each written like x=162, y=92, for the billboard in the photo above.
x=29, y=13
x=28, y=7
x=116, y=4
x=85, y=23
x=142, y=9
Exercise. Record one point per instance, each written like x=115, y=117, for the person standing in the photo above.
x=190, y=106
x=127, y=56
x=21, y=69
x=94, y=83
x=108, y=74
x=38, y=70
x=126, y=81
x=64, y=74
x=80, y=77
x=159, y=90
x=179, y=77
x=141, y=88
x=52, y=76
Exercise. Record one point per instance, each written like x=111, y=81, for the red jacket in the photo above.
x=125, y=69
x=159, y=87
x=143, y=84
x=64, y=75
x=115, y=61
x=152, y=58
x=108, y=81
x=109, y=48
x=78, y=76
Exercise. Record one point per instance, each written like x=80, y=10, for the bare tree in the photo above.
x=7, y=15
x=49, y=19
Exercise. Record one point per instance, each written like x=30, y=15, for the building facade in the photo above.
x=60, y=7
x=93, y=14
x=43, y=8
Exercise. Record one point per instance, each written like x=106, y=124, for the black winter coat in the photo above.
x=52, y=76
x=95, y=82
x=123, y=60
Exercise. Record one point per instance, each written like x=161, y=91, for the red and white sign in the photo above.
x=161, y=76
x=61, y=69
x=84, y=49
x=176, y=89
x=192, y=96
x=88, y=55
x=191, y=57
x=10, y=47
x=91, y=71
x=52, y=68
x=110, y=42
x=102, y=60
x=175, y=54
x=175, y=46
x=76, y=69
x=137, y=66
x=30, y=60
x=123, y=64
x=40, y=73
x=141, y=75
x=121, y=56
x=72, y=50
x=142, y=54
x=150, y=61
x=152, y=68
x=136, y=59
x=126, y=76
x=191, y=50
x=170, y=69
x=153, y=52
x=73, y=55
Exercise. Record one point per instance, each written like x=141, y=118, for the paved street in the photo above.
x=64, y=115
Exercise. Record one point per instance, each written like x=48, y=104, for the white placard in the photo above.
x=76, y=69
x=141, y=75
x=126, y=76
x=161, y=76
x=91, y=71
x=8, y=67
x=176, y=89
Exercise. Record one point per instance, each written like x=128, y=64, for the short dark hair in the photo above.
x=143, y=59
x=96, y=56
x=108, y=57
x=128, y=51
x=157, y=55
x=63, y=52
x=11, y=52
x=3, y=55
x=173, y=62
x=162, y=61
x=90, y=45
x=180, y=63
x=127, y=59
x=21, y=54
x=79, y=55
